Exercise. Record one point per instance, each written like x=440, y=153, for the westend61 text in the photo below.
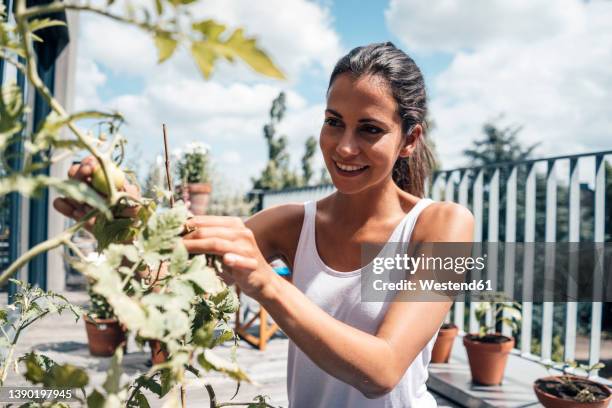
x=433, y=285
x=412, y=263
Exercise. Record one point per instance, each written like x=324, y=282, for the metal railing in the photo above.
x=535, y=200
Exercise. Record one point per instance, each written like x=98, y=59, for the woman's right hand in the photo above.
x=83, y=171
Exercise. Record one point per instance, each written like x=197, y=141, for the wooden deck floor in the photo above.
x=64, y=340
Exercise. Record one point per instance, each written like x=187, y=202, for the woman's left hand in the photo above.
x=229, y=238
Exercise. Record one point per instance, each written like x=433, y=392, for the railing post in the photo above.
x=510, y=240
x=600, y=219
x=549, y=259
x=463, y=201
x=572, y=285
x=493, y=235
x=529, y=239
x=477, y=210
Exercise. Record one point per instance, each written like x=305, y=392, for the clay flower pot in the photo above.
x=104, y=336
x=544, y=389
x=488, y=359
x=158, y=352
x=199, y=195
x=444, y=343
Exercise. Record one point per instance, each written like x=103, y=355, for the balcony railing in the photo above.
x=554, y=199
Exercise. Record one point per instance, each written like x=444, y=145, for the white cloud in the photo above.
x=452, y=25
x=88, y=79
x=229, y=111
x=550, y=74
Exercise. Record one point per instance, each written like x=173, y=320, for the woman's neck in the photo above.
x=375, y=203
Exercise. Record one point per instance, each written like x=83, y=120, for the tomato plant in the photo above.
x=187, y=308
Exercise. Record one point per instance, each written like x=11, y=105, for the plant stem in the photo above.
x=168, y=176
x=43, y=247
x=22, y=14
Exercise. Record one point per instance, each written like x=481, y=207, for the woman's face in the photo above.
x=361, y=137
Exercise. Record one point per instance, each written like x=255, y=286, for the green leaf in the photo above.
x=33, y=185
x=66, y=376
x=246, y=48
x=43, y=370
x=210, y=361
x=209, y=28
x=95, y=400
x=204, y=57
x=203, y=276
x=159, y=7
x=179, y=262
x=113, y=375
x=149, y=384
x=11, y=113
x=141, y=400
x=166, y=45
x=39, y=24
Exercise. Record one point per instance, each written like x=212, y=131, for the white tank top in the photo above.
x=339, y=294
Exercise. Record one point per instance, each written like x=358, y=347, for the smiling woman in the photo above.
x=345, y=352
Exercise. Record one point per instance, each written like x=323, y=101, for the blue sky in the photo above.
x=481, y=59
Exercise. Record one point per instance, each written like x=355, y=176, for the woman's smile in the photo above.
x=349, y=170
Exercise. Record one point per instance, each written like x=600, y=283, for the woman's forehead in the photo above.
x=365, y=95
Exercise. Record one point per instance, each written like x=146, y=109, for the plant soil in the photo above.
x=448, y=326
x=569, y=389
x=488, y=338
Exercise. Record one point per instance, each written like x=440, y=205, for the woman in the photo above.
x=344, y=352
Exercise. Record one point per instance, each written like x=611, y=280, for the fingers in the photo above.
x=240, y=262
x=212, y=232
x=214, y=221
x=84, y=170
x=214, y=246
x=64, y=206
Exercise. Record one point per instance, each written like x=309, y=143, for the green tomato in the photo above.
x=98, y=181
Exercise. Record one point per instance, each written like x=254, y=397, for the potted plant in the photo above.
x=488, y=350
x=444, y=343
x=566, y=390
x=193, y=169
x=104, y=332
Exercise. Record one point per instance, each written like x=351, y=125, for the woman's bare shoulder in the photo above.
x=444, y=221
x=277, y=229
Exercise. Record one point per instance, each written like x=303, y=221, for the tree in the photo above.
x=277, y=174
x=498, y=145
x=307, y=172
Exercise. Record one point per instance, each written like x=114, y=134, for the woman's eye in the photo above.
x=332, y=122
x=373, y=130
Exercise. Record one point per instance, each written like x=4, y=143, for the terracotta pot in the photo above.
x=199, y=195
x=158, y=353
x=104, y=336
x=444, y=344
x=487, y=360
x=552, y=401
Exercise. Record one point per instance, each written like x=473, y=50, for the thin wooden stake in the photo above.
x=168, y=177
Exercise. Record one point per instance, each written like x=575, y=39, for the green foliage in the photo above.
x=42, y=370
x=307, y=172
x=29, y=306
x=188, y=307
x=194, y=165
x=277, y=175
x=498, y=309
x=11, y=111
x=211, y=46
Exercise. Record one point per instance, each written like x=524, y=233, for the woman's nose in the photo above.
x=347, y=145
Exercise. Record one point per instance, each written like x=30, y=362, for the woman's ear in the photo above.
x=412, y=138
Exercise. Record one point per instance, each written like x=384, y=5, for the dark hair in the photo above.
x=408, y=87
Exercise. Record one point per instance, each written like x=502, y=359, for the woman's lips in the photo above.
x=349, y=170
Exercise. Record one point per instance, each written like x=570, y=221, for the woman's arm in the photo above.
x=371, y=363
